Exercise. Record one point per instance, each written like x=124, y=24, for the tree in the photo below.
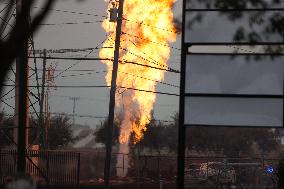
x=102, y=132
x=228, y=140
x=262, y=25
x=232, y=141
x=10, y=48
x=59, y=132
x=157, y=136
x=160, y=135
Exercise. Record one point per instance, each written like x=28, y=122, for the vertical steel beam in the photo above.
x=22, y=75
x=182, y=130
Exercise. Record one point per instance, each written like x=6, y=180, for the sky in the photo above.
x=56, y=34
x=210, y=76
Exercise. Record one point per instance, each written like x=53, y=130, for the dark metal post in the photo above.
x=138, y=166
x=78, y=170
x=182, y=130
x=47, y=168
x=112, y=97
x=22, y=65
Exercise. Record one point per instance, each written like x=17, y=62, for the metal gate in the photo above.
x=45, y=167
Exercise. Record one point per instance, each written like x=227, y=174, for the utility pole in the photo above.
x=22, y=87
x=112, y=97
x=74, y=99
x=41, y=115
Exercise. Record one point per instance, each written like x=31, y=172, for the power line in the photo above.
x=80, y=60
x=105, y=99
x=107, y=59
x=69, y=58
x=148, y=91
x=40, y=51
x=83, y=74
x=79, y=70
x=101, y=86
x=139, y=56
x=151, y=41
x=72, y=12
x=86, y=116
x=141, y=23
x=66, y=114
x=137, y=76
x=71, y=23
x=161, y=82
x=86, y=98
x=79, y=115
x=135, y=63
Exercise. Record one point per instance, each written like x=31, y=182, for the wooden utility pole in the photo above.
x=22, y=87
x=112, y=97
x=41, y=105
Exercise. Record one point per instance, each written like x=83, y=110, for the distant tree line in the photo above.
x=59, y=132
x=227, y=140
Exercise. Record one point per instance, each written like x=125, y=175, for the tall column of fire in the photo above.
x=147, y=30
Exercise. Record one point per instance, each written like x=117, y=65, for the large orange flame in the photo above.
x=147, y=30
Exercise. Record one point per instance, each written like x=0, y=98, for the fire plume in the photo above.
x=147, y=30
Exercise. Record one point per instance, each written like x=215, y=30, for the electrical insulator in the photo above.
x=113, y=14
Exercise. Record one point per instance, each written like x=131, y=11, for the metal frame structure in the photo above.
x=26, y=98
x=185, y=52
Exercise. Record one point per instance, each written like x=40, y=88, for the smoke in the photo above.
x=122, y=163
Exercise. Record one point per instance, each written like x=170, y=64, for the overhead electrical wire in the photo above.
x=83, y=74
x=106, y=99
x=62, y=51
x=71, y=23
x=86, y=98
x=145, y=59
x=121, y=61
x=91, y=73
x=149, y=25
x=145, y=39
x=72, y=12
x=100, y=86
x=81, y=60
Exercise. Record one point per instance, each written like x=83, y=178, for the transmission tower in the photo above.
x=74, y=99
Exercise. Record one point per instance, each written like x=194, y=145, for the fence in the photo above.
x=201, y=172
x=143, y=171
x=146, y=171
x=241, y=172
x=46, y=167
